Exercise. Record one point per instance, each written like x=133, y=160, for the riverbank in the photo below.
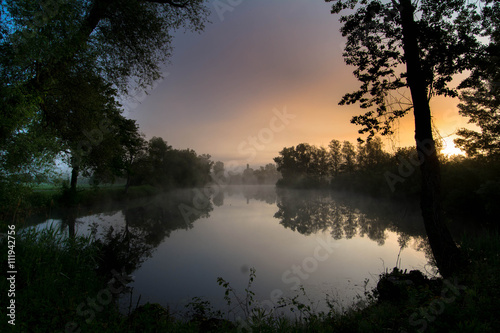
x=58, y=289
x=45, y=200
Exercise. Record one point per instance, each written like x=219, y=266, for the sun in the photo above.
x=449, y=147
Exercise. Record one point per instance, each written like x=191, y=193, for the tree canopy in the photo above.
x=481, y=99
x=447, y=39
x=159, y=165
x=63, y=65
x=306, y=165
x=400, y=46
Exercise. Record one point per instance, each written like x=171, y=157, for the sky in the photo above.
x=265, y=74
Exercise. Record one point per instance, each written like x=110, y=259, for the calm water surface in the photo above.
x=176, y=245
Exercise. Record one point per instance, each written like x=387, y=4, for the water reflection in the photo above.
x=142, y=225
x=265, y=193
x=345, y=216
x=178, y=243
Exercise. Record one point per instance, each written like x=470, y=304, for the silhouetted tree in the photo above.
x=218, y=171
x=133, y=145
x=123, y=42
x=80, y=113
x=164, y=167
x=481, y=101
x=335, y=156
x=433, y=40
x=303, y=165
x=349, y=157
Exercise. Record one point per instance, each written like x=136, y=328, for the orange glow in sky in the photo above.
x=223, y=86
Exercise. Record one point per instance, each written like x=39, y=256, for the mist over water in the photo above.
x=176, y=245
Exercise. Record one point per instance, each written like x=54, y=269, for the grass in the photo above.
x=55, y=274
x=58, y=290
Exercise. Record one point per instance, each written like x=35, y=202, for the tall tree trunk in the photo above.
x=74, y=178
x=127, y=184
x=70, y=221
x=446, y=254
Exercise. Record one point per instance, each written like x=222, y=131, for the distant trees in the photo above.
x=309, y=166
x=267, y=174
x=304, y=164
x=159, y=165
x=263, y=175
x=335, y=156
x=349, y=157
x=218, y=171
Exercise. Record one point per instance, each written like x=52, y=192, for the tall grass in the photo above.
x=57, y=277
x=54, y=275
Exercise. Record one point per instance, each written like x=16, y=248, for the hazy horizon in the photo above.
x=224, y=86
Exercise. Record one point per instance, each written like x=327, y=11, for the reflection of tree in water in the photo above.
x=310, y=212
x=144, y=227
x=148, y=225
x=123, y=249
x=218, y=198
x=265, y=193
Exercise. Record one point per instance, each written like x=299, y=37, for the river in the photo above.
x=177, y=244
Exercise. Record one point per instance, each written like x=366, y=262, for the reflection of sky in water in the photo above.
x=83, y=225
x=238, y=235
x=244, y=233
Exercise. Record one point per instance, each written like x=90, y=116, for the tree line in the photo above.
x=470, y=183
x=306, y=165
x=263, y=175
x=63, y=67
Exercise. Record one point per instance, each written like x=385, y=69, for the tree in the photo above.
x=124, y=42
x=375, y=154
x=319, y=167
x=218, y=171
x=481, y=99
x=482, y=106
x=133, y=144
x=349, y=157
x=164, y=167
x=271, y=174
x=335, y=156
x=418, y=46
x=128, y=38
x=80, y=113
x=158, y=160
x=303, y=165
x=249, y=176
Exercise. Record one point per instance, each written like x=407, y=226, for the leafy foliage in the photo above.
x=162, y=166
x=62, y=66
x=481, y=99
x=447, y=35
x=309, y=166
